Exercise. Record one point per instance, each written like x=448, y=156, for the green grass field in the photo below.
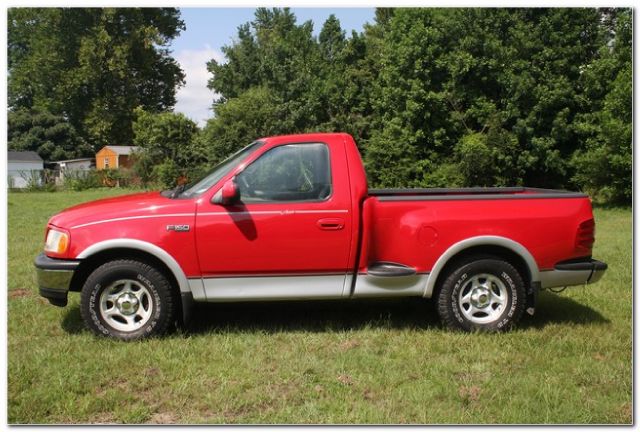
x=328, y=362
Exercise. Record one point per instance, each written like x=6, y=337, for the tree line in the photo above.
x=434, y=97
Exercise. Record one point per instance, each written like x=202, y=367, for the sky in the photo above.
x=209, y=29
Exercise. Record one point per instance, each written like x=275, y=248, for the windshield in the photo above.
x=220, y=171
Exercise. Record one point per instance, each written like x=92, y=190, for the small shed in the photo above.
x=24, y=168
x=111, y=157
x=65, y=166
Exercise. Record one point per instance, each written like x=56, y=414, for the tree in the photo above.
x=93, y=66
x=440, y=85
x=341, y=85
x=604, y=165
x=413, y=129
x=489, y=159
x=443, y=97
x=313, y=84
x=256, y=113
x=272, y=52
x=51, y=136
x=168, y=149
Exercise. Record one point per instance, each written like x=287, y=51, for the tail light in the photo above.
x=585, y=237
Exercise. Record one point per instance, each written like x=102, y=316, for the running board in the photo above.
x=390, y=269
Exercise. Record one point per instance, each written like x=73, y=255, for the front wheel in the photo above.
x=482, y=294
x=127, y=300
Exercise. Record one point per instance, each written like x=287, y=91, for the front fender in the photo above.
x=188, y=291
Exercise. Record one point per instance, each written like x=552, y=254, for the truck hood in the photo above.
x=139, y=204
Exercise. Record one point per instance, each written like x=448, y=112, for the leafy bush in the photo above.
x=490, y=159
x=79, y=180
x=38, y=180
x=119, y=177
x=167, y=173
x=169, y=147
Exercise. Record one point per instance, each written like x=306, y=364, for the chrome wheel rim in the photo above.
x=126, y=305
x=483, y=298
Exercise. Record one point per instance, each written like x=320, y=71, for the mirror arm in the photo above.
x=224, y=197
x=217, y=197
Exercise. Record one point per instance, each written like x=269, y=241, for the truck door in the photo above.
x=290, y=234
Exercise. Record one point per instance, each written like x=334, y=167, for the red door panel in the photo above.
x=279, y=238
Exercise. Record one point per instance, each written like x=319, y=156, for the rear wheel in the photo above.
x=482, y=293
x=127, y=300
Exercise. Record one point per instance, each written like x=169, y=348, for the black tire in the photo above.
x=144, y=281
x=482, y=310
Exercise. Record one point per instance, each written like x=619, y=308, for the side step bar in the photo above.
x=390, y=269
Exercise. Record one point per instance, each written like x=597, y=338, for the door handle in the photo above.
x=331, y=224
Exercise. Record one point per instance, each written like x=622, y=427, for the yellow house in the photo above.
x=111, y=157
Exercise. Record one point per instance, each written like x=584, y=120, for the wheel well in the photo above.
x=487, y=250
x=88, y=265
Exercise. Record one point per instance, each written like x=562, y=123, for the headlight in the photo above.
x=57, y=241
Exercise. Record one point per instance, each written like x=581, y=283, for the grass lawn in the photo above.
x=326, y=362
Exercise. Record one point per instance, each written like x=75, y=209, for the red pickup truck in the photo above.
x=290, y=217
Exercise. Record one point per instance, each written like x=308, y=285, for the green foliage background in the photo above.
x=434, y=97
x=89, y=68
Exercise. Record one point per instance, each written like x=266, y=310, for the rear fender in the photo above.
x=504, y=242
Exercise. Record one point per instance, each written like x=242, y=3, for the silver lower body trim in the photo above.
x=396, y=286
x=305, y=287
x=265, y=288
x=197, y=289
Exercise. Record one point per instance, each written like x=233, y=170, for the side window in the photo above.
x=294, y=172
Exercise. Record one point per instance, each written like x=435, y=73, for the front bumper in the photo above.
x=570, y=273
x=54, y=278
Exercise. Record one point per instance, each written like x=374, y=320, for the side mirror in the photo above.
x=229, y=194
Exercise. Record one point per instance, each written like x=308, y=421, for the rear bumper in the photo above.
x=54, y=278
x=573, y=273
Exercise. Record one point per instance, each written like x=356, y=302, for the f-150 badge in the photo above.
x=178, y=228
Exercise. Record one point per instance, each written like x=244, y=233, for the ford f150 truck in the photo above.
x=290, y=217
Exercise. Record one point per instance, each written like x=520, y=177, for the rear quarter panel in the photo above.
x=416, y=233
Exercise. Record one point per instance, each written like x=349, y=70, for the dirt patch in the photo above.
x=599, y=356
x=163, y=418
x=287, y=392
x=345, y=379
x=349, y=344
x=626, y=413
x=152, y=372
x=228, y=415
x=368, y=394
x=18, y=293
x=469, y=394
x=103, y=418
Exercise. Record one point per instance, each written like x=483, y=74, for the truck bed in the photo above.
x=471, y=193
